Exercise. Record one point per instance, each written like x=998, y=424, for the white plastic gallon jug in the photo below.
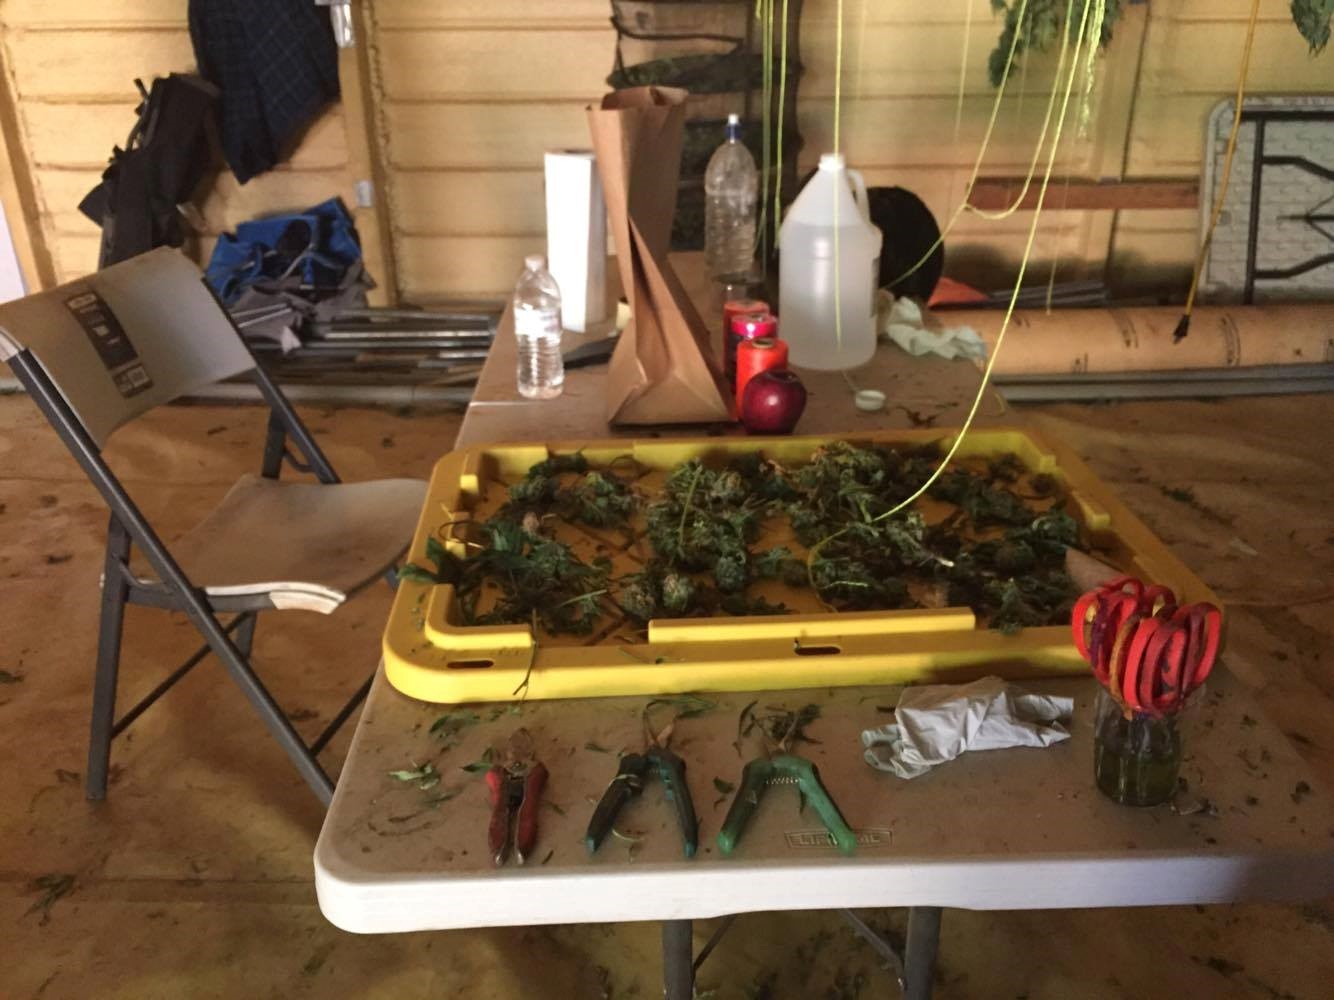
x=806, y=298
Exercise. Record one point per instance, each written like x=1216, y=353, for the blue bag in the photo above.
x=316, y=246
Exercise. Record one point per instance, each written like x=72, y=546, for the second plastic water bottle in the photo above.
x=731, y=190
x=541, y=369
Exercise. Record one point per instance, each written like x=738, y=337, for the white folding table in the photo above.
x=1009, y=829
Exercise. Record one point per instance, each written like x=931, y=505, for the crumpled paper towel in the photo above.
x=937, y=722
x=901, y=321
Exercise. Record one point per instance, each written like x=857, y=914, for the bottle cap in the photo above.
x=733, y=119
x=833, y=161
x=535, y=262
x=869, y=400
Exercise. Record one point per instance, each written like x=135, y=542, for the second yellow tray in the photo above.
x=430, y=656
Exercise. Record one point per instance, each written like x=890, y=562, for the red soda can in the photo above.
x=755, y=356
x=733, y=308
x=747, y=326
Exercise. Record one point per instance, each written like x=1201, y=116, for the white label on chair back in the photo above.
x=179, y=338
x=110, y=342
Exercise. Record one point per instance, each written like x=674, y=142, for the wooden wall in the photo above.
x=463, y=96
x=474, y=90
x=1192, y=49
x=69, y=70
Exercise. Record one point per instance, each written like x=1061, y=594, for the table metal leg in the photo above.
x=678, y=960
x=919, y=958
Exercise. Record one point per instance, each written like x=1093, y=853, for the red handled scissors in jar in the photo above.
x=1148, y=652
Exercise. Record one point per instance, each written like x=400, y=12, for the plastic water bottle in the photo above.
x=827, y=313
x=541, y=373
x=731, y=190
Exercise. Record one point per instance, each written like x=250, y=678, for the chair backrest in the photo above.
x=126, y=339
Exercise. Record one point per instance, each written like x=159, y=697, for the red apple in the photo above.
x=772, y=402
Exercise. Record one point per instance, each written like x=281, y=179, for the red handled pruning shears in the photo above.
x=1148, y=652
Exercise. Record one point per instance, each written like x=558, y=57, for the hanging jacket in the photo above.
x=275, y=62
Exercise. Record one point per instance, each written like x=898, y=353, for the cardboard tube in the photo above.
x=1140, y=338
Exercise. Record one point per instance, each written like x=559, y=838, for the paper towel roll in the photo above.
x=577, y=236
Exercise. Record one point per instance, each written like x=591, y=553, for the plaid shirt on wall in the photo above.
x=275, y=62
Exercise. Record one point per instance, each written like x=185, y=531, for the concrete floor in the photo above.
x=194, y=878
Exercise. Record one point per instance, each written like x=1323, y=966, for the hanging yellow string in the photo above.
x=778, y=143
x=1008, y=210
x=1018, y=284
x=1183, y=324
x=1005, y=323
x=982, y=151
x=838, y=148
x=764, y=12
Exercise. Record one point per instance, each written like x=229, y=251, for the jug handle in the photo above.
x=859, y=192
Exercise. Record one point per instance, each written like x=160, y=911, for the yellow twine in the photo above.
x=782, y=104
x=982, y=152
x=766, y=18
x=1227, y=161
x=1009, y=312
x=1013, y=207
x=838, y=107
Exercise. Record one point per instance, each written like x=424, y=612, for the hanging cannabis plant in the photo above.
x=1043, y=21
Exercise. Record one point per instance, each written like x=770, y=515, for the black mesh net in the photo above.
x=715, y=49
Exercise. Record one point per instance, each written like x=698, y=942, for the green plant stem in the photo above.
x=685, y=508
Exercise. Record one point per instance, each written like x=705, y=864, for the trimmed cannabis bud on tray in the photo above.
x=747, y=536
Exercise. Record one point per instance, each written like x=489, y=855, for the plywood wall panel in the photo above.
x=78, y=135
x=433, y=267
x=493, y=64
x=470, y=203
x=94, y=64
x=521, y=14
x=73, y=66
x=481, y=136
x=59, y=14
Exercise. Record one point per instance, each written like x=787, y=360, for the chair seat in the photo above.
x=306, y=546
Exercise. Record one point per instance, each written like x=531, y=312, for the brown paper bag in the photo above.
x=662, y=370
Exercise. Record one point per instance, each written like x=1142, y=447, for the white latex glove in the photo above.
x=936, y=723
x=901, y=321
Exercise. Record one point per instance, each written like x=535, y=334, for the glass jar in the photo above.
x=1135, y=760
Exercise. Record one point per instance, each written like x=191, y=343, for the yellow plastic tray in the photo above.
x=429, y=656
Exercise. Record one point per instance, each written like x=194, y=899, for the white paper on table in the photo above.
x=901, y=320
x=936, y=723
x=577, y=237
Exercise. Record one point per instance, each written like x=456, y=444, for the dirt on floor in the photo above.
x=194, y=877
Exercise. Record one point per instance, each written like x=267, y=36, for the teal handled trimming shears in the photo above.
x=779, y=767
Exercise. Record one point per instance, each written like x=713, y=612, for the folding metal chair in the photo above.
x=98, y=352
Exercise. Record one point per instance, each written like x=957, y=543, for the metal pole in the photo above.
x=919, y=957
x=678, y=963
x=114, y=593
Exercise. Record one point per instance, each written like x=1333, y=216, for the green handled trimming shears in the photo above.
x=779, y=767
x=634, y=772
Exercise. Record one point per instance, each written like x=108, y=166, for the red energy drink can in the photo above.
x=733, y=308
x=747, y=326
x=755, y=356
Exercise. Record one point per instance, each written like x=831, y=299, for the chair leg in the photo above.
x=245, y=635
x=258, y=695
x=114, y=593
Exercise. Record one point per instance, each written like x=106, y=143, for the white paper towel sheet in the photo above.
x=936, y=723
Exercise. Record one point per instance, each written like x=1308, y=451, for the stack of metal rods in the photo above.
x=384, y=347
